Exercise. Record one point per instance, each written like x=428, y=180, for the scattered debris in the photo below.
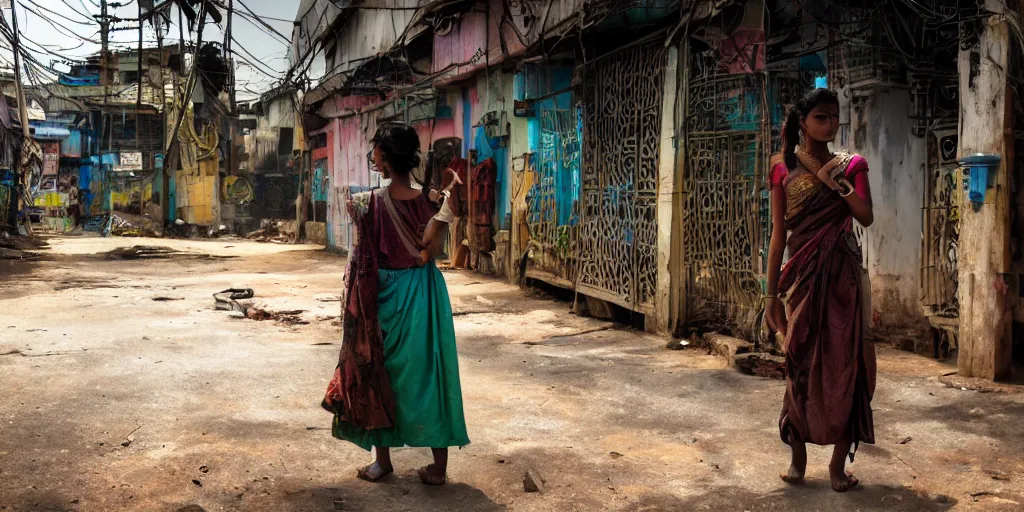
x=955, y=381
x=130, y=438
x=532, y=482
x=14, y=254
x=905, y=440
x=125, y=224
x=275, y=231
x=291, y=317
x=139, y=252
x=677, y=344
x=227, y=300
x=761, y=364
x=728, y=347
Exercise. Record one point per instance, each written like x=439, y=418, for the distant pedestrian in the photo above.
x=397, y=381
x=830, y=367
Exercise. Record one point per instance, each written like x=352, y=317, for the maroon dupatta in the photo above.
x=360, y=391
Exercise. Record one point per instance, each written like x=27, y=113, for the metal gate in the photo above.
x=732, y=124
x=618, y=233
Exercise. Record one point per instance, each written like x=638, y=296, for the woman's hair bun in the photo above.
x=400, y=144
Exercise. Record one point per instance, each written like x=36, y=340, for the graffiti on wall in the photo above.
x=551, y=201
x=941, y=225
x=618, y=232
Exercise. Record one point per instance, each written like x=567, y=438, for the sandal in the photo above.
x=374, y=472
x=430, y=479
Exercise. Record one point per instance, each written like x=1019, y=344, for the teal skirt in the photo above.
x=423, y=366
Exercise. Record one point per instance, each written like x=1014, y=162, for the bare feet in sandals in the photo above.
x=374, y=472
x=431, y=475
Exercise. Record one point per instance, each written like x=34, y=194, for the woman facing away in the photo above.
x=397, y=380
x=830, y=367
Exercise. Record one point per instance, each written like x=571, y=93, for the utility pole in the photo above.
x=104, y=79
x=22, y=106
x=165, y=193
x=138, y=99
x=17, y=205
x=232, y=121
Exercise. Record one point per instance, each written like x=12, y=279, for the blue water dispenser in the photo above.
x=979, y=175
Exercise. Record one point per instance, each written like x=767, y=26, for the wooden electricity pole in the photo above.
x=20, y=88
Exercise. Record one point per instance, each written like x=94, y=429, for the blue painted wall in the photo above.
x=554, y=132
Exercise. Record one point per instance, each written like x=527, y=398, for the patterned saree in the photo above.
x=830, y=367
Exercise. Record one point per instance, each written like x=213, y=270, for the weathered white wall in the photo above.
x=880, y=130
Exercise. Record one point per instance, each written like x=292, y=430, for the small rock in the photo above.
x=615, y=455
x=677, y=344
x=126, y=443
x=532, y=482
x=940, y=498
x=339, y=504
x=502, y=461
x=204, y=469
x=197, y=482
x=905, y=440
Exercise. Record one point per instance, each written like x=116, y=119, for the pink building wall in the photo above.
x=474, y=42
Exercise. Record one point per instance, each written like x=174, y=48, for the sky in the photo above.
x=68, y=37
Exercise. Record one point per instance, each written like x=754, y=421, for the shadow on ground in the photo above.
x=812, y=496
x=402, y=492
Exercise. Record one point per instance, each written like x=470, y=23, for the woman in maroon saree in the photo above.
x=830, y=367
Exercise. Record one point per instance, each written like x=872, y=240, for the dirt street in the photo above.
x=124, y=389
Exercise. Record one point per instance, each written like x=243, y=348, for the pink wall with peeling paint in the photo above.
x=476, y=32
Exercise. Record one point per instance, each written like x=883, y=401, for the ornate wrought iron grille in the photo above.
x=940, y=212
x=726, y=212
x=941, y=223
x=618, y=233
